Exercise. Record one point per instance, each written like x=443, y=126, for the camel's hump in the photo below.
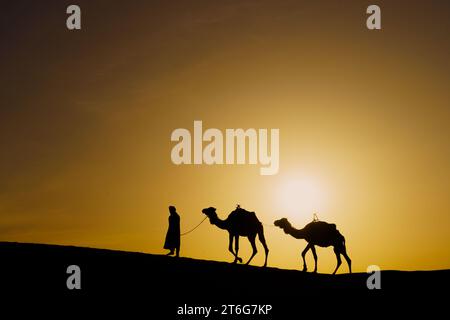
x=242, y=213
x=321, y=224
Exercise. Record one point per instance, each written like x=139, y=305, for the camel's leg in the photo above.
x=236, y=249
x=230, y=246
x=263, y=241
x=347, y=258
x=313, y=249
x=303, y=256
x=253, y=243
x=338, y=257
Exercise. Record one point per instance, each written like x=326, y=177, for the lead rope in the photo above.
x=267, y=225
x=185, y=233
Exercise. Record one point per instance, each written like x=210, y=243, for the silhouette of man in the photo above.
x=173, y=233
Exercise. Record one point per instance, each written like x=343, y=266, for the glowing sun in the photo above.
x=299, y=198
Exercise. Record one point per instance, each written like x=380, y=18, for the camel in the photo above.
x=240, y=222
x=321, y=234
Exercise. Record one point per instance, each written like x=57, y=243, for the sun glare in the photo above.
x=300, y=198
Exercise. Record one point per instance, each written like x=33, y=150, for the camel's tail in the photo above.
x=341, y=239
x=262, y=238
x=261, y=232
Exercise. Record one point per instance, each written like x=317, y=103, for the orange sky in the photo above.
x=86, y=118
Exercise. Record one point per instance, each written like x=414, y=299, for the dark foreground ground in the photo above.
x=157, y=286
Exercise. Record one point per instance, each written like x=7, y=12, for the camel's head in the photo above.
x=283, y=223
x=210, y=212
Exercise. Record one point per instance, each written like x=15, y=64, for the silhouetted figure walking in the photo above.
x=173, y=233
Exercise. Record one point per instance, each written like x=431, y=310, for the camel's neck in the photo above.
x=296, y=233
x=219, y=223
